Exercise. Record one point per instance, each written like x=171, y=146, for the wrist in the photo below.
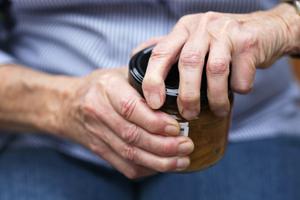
x=32, y=101
x=59, y=90
x=289, y=20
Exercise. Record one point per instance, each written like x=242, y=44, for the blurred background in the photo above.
x=296, y=68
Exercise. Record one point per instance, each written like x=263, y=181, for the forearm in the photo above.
x=30, y=100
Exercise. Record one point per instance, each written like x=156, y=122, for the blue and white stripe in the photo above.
x=75, y=37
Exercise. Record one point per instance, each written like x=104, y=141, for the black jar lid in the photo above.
x=137, y=69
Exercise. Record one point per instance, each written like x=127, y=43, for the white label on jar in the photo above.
x=184, y=128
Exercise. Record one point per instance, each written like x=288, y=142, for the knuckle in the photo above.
x=107, y=80
x=165, y=166
x=191, y=59
x=154, y=125
x=231, y=23
x=128, y=106
x=129, y=153
x=160, y=52
x=211, y=15
x=188, y=98
x=88, y=105
x=186, y=18
x=168, y=148
x=218, y=67
x=243, y=87
x=136, y=172
x=153, y=121
x=132, y=174
x=249, y=42
x=131, y=134
x=218, y=99
x=150, y=82
x=217, y=104
x=101, y=151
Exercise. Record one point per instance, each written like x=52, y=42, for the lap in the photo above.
x=265, y=169
x=34, y=174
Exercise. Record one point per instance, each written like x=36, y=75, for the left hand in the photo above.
x=243, y=41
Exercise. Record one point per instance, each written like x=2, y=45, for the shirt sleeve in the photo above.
x=5, y=58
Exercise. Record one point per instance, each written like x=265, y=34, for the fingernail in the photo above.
x=182, y=163
x=154, y=100
x=172, y=129
x=222, y=113
x=185, y=148
x=190, y=114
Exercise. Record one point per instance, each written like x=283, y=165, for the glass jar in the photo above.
x=208, y=132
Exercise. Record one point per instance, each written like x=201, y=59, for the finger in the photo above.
x=191, y=62
x=146, y=44
x=133, y=153
x=146, y=159
x=155, y=144
x=217, y=76
x=129, y=169
x=134, y=135
x=243, y=73
x=133, y=108
x=163, y=56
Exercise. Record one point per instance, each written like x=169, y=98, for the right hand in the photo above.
x=108, y=116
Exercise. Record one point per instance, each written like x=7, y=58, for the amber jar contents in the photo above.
x=208, y=132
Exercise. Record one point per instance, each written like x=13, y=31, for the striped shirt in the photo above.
x=75, y=37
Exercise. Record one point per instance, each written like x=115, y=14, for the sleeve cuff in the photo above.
x=6, y=58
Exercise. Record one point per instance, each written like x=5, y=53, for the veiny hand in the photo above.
x=244, y=41
x=109, y=117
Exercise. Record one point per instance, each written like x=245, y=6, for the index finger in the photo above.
x=163, y=56
x=129, y=104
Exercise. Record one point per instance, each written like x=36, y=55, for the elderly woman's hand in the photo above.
x=105, y=114
x=244, y=41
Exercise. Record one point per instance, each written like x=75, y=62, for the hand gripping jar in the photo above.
x=208, y=132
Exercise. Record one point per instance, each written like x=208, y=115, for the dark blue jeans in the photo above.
x=258, y=170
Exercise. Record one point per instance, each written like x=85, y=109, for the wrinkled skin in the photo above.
x=109, y=117
x=244, y=41
x=104, y=113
